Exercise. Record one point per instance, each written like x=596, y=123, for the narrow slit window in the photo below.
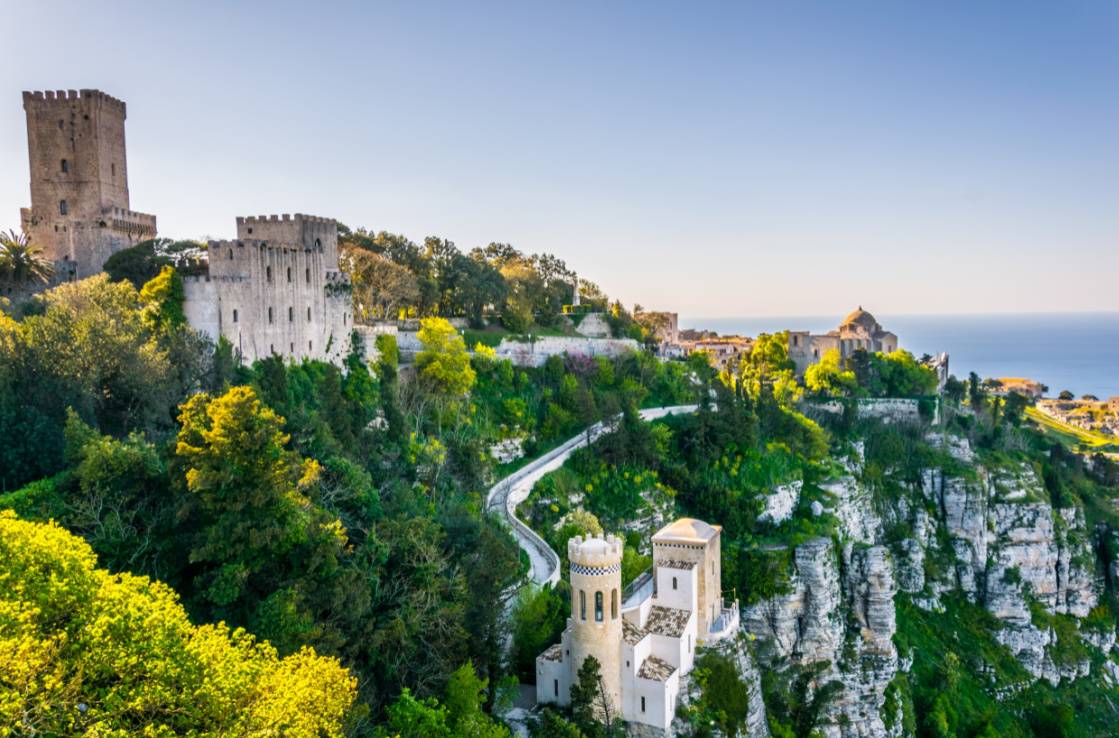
x=269, y=315
x=63, y=208
x=268, y=273
x=65, y=166
x=614, y=604
x=598, y=607
x=582, y=605
x=234, y=315
x=674, y=583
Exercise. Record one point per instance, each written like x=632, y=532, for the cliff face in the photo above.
x=988, y=533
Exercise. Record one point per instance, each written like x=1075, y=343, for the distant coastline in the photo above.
x=1074, y=351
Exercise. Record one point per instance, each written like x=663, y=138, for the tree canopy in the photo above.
x=86, y=651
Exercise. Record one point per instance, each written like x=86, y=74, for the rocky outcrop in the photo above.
x=844, y=620
x=988, y=533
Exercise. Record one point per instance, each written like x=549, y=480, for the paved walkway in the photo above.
x=515, y=488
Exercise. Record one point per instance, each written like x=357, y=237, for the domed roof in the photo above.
x=687, y=529
x=860, y=317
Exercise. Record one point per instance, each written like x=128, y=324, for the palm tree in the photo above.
x=22, y=262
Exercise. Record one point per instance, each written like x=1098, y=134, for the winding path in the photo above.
x=515, y=488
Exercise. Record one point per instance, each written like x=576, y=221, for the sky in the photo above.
x=735, y=159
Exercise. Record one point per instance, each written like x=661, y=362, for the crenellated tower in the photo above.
x=80, y=213
x=596, y=608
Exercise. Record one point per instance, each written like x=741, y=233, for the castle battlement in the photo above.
x=294, y=218
x=131, y=216
x=595, y=551
x=38, y=97
x=274, y=246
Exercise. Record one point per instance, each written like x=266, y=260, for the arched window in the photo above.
x=674, y=582
x=598, y=607
x=62, y=208
x=614, y=604
x=65, y=166
x=582, y=605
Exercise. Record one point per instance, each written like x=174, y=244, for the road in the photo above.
x=511, y=491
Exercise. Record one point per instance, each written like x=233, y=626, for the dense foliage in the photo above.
x=84, y=651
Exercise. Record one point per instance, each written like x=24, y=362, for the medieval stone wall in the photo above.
x=281, y=294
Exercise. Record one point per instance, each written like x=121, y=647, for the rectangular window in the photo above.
x=642, y=704
x=268, y=273
x=289, y=274
x=309, y=314
x=598, y=607
x=113, y=169
x=269, y=315
x=555, y=686
x=308, y=275
x=65, y=166
x=291, y=314
x=674, y=582
x=62, y=207
x=310, y=345
x=234, y=315
x=582, y=605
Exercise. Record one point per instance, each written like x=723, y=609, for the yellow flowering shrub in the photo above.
x=87, y=652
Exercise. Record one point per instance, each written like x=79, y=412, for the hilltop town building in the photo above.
x=858, y=331
x=80, y=213
x=646, y=644
x=274, y=290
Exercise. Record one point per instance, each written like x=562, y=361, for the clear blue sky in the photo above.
x=743, y=159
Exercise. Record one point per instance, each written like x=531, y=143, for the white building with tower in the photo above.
x=646, y=644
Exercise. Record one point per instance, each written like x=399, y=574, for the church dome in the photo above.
x=862, y=319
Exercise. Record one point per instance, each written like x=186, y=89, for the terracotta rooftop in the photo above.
x=687, y=530
x=655, y=669
x=667, y=621
x=631, y=633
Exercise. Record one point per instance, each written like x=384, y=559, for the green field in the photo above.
x=1076, y=438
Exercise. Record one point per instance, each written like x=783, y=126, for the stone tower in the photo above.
x=596, y=608
x=79, y=214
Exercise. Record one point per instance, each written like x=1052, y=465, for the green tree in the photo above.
x=539, y=616
x=162, y=297
x=827, y=376
x=22, y=262
x=444, y=363
x=464, y=699
x=258, y=549
x=591, y=707
x=83, y=651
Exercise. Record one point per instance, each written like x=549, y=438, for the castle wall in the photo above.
x=284, y=296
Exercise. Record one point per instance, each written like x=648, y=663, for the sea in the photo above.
x=1078, y=352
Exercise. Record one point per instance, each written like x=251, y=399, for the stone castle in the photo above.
x=858, y=331
x=80, y=213
x=647, y=643
x=275, y=289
